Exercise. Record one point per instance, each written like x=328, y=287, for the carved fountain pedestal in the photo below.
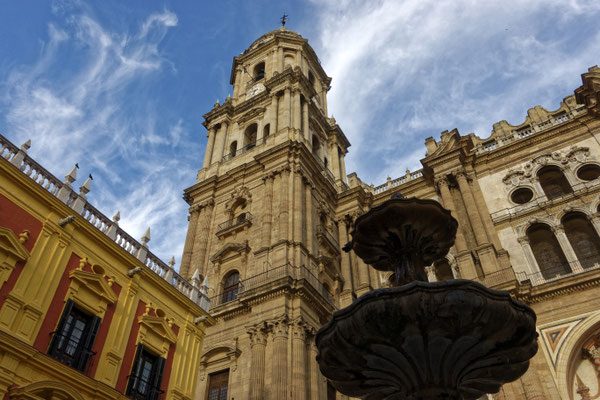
x=455, y=339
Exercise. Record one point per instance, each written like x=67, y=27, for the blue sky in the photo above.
x=120, y=87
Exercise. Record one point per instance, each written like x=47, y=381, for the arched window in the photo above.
x=443, y=271
x=250, y=136
x=259, y=71
x=232, y=148
x=583, y=238
x=230, y=286
x=553, y=182
x=266, y=130
x=548, y=254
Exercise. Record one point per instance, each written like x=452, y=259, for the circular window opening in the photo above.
x=588, y=172
x=522, y=195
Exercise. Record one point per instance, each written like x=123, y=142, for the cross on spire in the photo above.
x=284, y=19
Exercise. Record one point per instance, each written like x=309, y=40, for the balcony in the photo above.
x=560, y=271
x=273, y=279
x=542, y=201
x=244, y=149
x=327, y=239
x=233, y=225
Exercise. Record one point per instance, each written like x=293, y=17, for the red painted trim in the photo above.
x=17, y=220
x=130, y=349
x=103, y=331
x=169, y=364
x=42, y=341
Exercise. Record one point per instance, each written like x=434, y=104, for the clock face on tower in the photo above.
x=254, y=90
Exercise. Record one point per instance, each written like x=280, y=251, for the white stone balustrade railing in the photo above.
x=30, y=168
x=45, y=179
x=392, y=183
x=524, y=132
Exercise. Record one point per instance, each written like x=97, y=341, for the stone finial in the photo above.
x=146, y=237
x=25, y=146
x=117, y=217
x=228, y=98
x=172, y=262
x=24, y=236
x=18, y=158
x=71, y=176
x=86, y=187
x=217, y=103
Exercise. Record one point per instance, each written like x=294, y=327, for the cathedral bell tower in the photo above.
x=262, y=235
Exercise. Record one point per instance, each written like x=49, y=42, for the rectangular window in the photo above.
x=146, y=375
x=74, y=337
x=217, y=385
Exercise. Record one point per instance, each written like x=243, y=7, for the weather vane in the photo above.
x=284, y=19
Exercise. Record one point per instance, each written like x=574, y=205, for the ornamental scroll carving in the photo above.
x=567, y=159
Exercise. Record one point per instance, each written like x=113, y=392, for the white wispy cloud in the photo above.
x=94, y=111
x=406, y=70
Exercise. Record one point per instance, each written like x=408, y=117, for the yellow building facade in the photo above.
x=273, y=205
x=86, y=311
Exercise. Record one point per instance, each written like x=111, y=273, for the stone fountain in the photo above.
x=454, y=340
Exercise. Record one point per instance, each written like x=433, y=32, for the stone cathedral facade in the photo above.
x=273, y=205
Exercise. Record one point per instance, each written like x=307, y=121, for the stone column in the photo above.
x=258, y=343
x=345, y=257
x=342, y=168
x=305, y=123
x=299, y=360
x=280, y=350
x=431, y=276
x=565, y=245
x=209, y=147
x=471, y=206
x=335, y=160
x=532, y=385
x=309, y=214
x=533, y=265
x=283, y=204
x=314, y=392
x=189, y=243
x=460, y=243
x=364, y=282
x=299, y=201
x=284, y=109
x=217, y=154
x=201, y=240
x=296, y=120
x=237, y=84
x=280, y=59
x=274, y=114
x=267, y=211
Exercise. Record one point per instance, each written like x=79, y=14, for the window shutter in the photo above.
x=135, y=370
x=157, y=378
x=61, y=326
x=87, y=343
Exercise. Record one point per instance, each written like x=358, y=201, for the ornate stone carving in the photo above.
x=279, y=326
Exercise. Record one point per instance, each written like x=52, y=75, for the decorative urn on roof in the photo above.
x=454, y=340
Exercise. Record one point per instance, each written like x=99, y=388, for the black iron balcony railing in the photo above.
x=540, y=201
x=70, y=352
x=271, y=277
x=241, y=219
x=553, y=272
x=244, y=149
